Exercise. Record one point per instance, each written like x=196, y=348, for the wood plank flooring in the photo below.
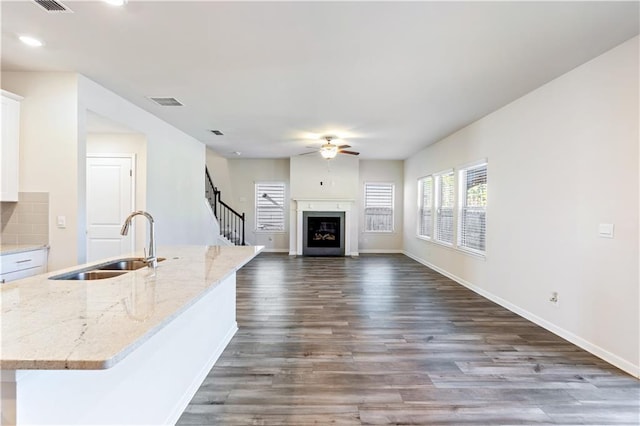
x=381, y=339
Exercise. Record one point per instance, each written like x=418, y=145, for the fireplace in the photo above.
x=323, y=233
x=313, y=207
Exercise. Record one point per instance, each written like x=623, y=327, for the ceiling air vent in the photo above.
x=53, y=6
x=217, y=132
x=167, y=101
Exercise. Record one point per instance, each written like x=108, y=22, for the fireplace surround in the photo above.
x=344, y=209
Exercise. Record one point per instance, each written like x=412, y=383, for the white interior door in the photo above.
x=110, y=189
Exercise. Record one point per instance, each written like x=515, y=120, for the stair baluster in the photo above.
x=232, y=223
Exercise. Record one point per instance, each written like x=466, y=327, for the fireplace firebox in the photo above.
x=323, y=233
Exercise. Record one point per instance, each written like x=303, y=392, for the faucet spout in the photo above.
x=151, y=259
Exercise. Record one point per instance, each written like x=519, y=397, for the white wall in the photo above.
x=50, y=153
x=314, y=177
x=382, y=171
x=127, y=143
x=562, y=160
x=245, y=173
x=175, y=167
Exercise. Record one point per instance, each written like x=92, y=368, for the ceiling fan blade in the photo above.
x=344, y=146
x=349, y=152
x=307, y=153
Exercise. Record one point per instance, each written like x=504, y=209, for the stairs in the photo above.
x=232, y=223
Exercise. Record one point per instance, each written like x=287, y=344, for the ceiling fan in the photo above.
x=329, y=150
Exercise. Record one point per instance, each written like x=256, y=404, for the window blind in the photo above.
x=270, y=207
x=425, y=215
x=473, y=208
x=444, y=207
x=378, y=207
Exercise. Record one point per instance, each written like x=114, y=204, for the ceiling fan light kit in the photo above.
x=329, y=150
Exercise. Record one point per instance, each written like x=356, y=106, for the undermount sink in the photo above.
x=130, y=264
x=110, y=269
x=88, y=275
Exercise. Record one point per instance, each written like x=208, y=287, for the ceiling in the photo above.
x=389, y=78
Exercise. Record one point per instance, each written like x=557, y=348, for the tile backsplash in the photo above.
x=27, y=221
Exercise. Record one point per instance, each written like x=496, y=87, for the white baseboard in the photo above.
x=292, y=253
x=381, y=251
x=596, y=350
x=273, y=250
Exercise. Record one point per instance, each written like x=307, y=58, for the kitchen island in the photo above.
x=131, y=349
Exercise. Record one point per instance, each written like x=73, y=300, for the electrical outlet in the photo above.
x=555, y=299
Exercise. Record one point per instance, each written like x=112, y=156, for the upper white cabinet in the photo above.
x=9, y=158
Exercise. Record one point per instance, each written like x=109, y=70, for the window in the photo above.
x=270, y=206
x=472, y=213
x=444, y=201
x=378, y=207
x=425, y=202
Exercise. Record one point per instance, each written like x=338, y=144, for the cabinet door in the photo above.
x=9, y=149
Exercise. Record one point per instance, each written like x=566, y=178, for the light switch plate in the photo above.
x=605, y=230
x=62, y=221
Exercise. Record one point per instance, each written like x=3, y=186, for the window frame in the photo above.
x=437, y=207
x=421, y=208
x=462, y=204
x=257, y=229
x=393, y=210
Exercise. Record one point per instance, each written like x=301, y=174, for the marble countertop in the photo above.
x=89, y=325
x=19, y=248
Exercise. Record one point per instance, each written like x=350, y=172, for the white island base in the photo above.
x=151, y=384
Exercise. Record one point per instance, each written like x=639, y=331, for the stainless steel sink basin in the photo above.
x=130, y=264
x=106, y=270
x=88, y=275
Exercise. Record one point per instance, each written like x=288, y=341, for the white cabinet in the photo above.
x=24, y=264
x=9, y=148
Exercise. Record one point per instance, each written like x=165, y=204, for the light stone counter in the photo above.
x=20, y=248
x=87, y=325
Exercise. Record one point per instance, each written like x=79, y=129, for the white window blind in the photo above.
x=425, y=214
x=444, y=207
x=270, y=207
x=472, y=217
x=378, y=207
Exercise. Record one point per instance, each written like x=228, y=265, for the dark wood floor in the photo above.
x=381, y=339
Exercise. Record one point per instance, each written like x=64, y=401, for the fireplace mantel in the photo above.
x=324, y=205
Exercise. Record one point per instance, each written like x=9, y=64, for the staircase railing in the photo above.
x=231, y=222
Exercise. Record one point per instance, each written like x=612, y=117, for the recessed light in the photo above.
x=115, y=2
x=30, y=41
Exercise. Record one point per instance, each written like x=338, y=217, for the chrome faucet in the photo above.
x=150, y=259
